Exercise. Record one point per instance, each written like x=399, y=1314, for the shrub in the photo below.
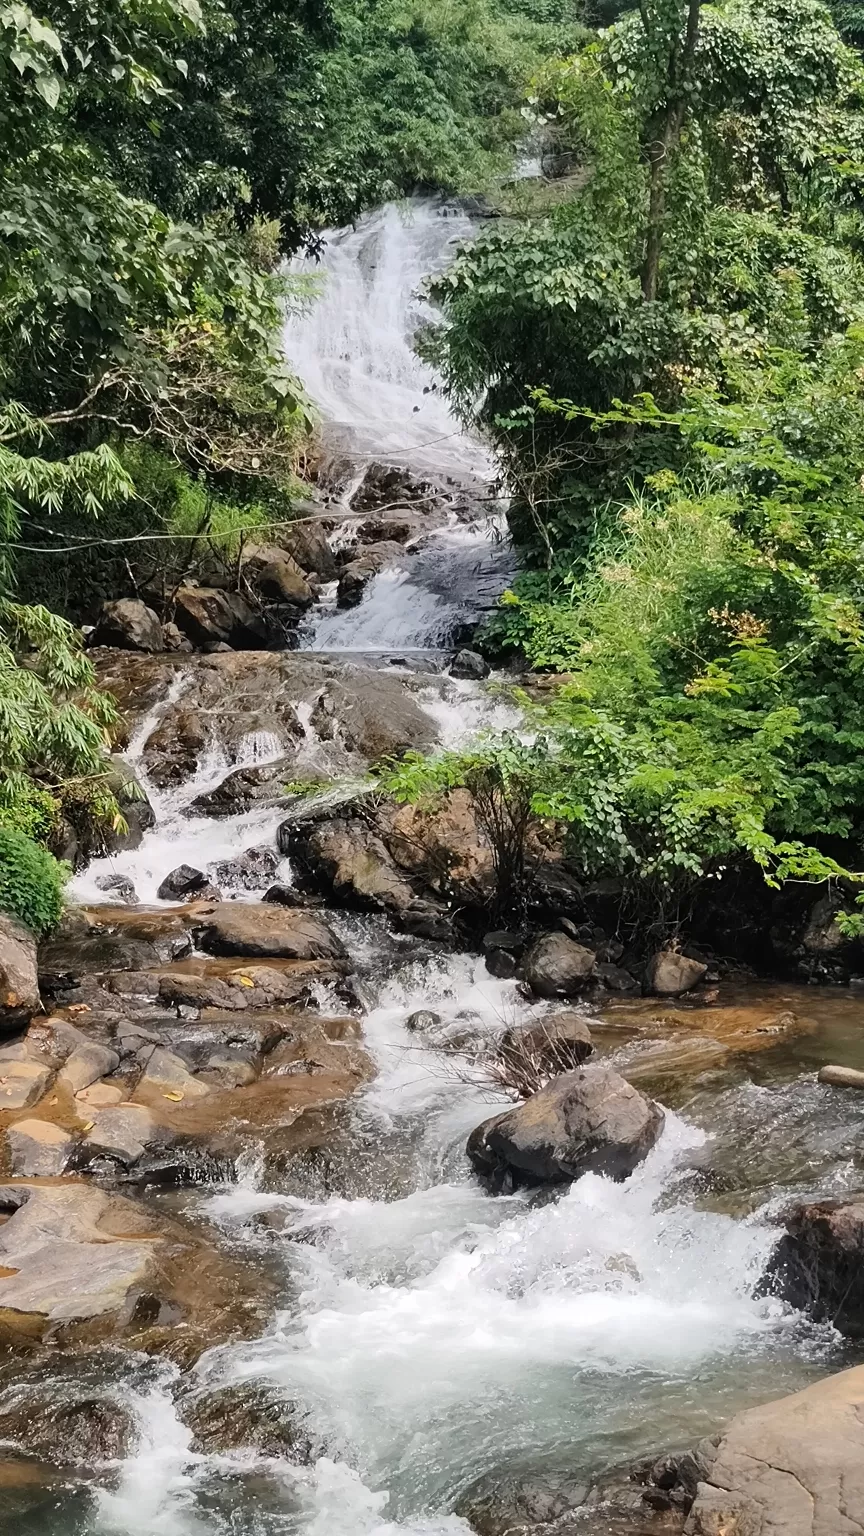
x=31, y=882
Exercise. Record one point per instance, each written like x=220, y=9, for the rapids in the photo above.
x=430, y=1335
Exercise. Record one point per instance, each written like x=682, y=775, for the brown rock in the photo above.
x=841, y=1077
x=668, y=974
x=308, y=544
x=373, y=716
x=22, y=1083
x=556, y=1044
x=207, y=615
x=818, y=1266
x=262, y=929
x=346, y=861
x=129, y=624
x=19, y=985
x=556, y=966
x=276, y=576
x=587, y=1121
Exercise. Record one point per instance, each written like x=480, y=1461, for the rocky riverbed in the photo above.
x=327, y=1209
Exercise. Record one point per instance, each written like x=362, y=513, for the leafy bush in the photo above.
x=31, y=882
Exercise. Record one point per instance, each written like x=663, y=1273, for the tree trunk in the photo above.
x=663, y=135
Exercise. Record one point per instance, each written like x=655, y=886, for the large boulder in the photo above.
x=307, y=542
x=372, y=715
x=587, y=1121
x=347, y=862
x=794, y=1467
x=668, y=974
x=19, y=982
x=276, y=576
x=818, y=1266
x=263, y=929
x=208, y=616
x=556, y=966
x=470, y=665
x=128, y=624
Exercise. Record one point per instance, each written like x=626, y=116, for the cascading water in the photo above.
x=430, y=1334
x=353, y=347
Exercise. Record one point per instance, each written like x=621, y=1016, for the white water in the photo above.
x=352, y=346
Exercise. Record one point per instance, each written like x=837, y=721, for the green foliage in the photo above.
x=31, y=882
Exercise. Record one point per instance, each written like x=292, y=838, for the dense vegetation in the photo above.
x=668, y=351
x=159, y=160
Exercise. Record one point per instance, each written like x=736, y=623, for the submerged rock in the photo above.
x=556, y=966
x=818, y=1266
x=19, y=982
x=129, y=624
x=795, y=1466
x=247, y=1415
x=587, y=1121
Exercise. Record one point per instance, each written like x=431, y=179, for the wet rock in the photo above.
x=230, y=1069
x=668, y=974
x=248, y=872
x=346, y=862
x=841, y=1077
x=207, y=615
x=181, y=882
x=86, y=1065
x=283, y=896
x=818, y=1266
x=520, y=1506
x=356, y=575
x=249, y=1415
x=795, y=1466
x=470, y=665
x=556, y=966
x=19, y=984
x=554, y=1044
x=373, y=716
x=423, y=1020
x=238, y=988
x=22, y=1084
x=262, y=929
x=94, y=940
x=245, y=787
x=308, y=544
x=504, y=938
x=38, y=1149
x=587, y=1121
x=175, y=746
x=129, y=624
x=52, y=1040
x=501, y=963
x=384, y=484
x=118, y=886
x=276, y=576
x=55, y=1423
x=822, y=936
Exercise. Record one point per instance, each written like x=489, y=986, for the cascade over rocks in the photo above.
x=818, y=1266
x=356, y=575
x=129, y=624
x=245, y=787
x=587, y=1121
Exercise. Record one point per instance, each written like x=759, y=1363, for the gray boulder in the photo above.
x=556, y=966
x=344, y=860
x=181, y=882
x=307, y=542
x=357, y=574
x=668, y=974
x=38, y=1149
x=470, y=665
x=19, y=983
x=555, y=1044
x=587, y=1121
x=128, y=624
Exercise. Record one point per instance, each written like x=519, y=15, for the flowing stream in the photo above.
x=431, y=1335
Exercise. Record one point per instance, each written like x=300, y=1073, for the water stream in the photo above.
x=430, y=1334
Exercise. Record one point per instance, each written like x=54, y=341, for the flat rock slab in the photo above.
x=790, y=1468
x=66, y=1248
x=38, y=1149
x=22, y=1084
x=258, y=928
